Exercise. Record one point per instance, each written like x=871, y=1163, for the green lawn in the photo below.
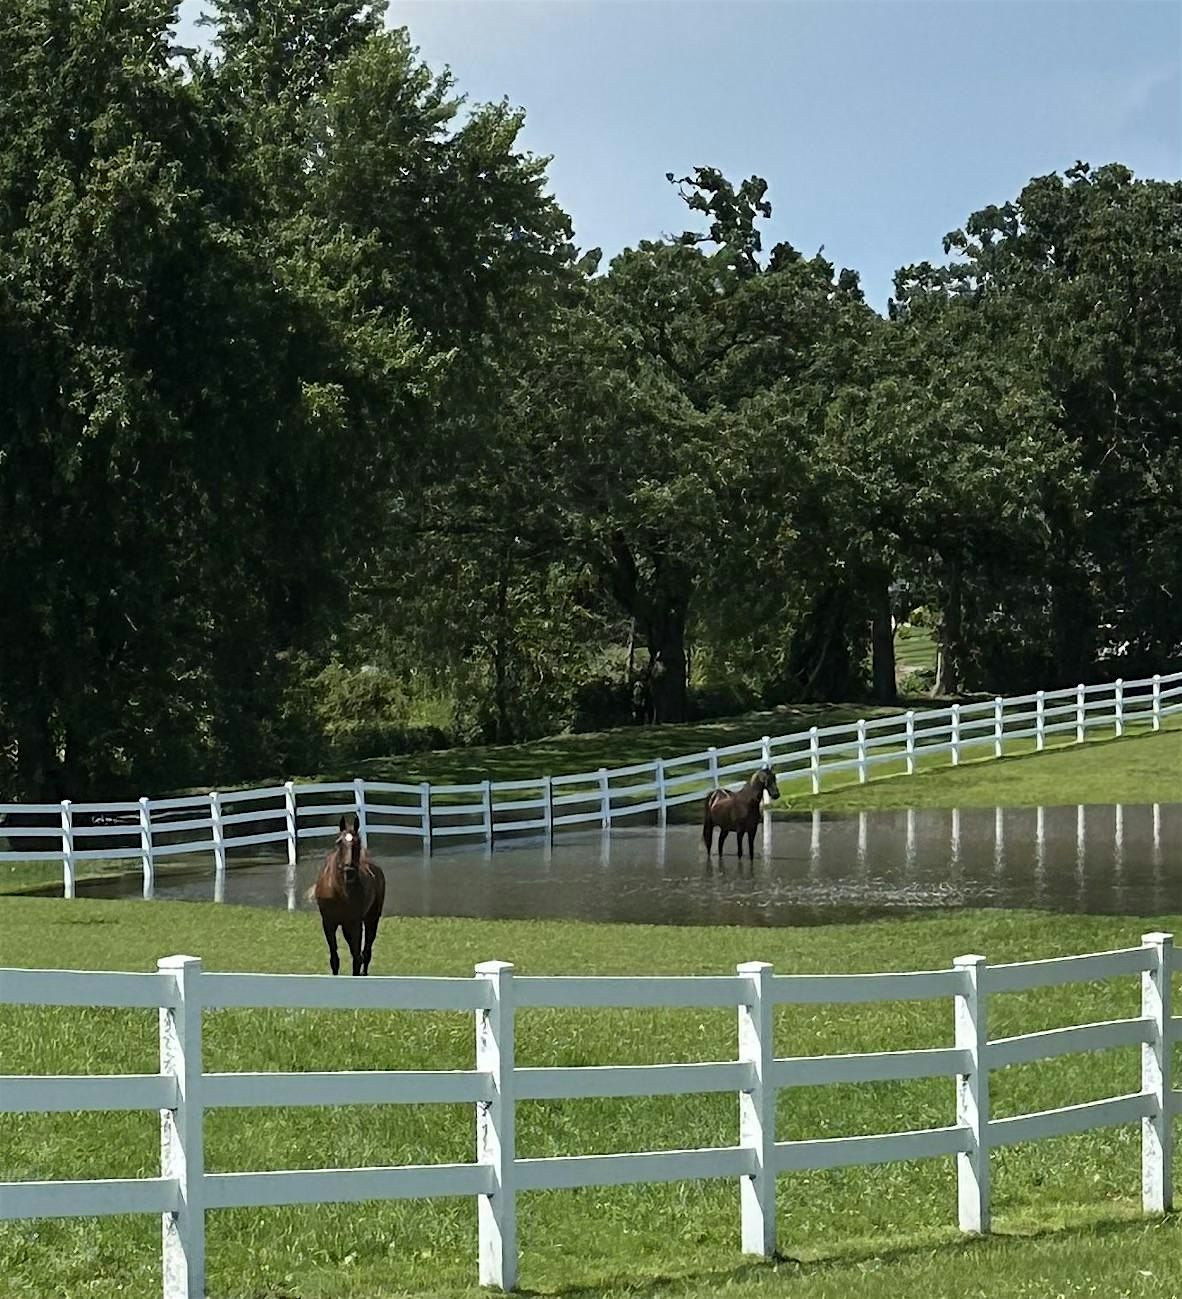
x=914, y=648
x=1141, y=768
x=567, y=754
x=1066, y=1209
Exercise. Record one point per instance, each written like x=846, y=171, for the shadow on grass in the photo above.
x=936, y=1247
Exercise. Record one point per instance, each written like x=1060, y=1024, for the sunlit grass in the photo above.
x=877, y=1231
x=1142, y=767
x=914, y=648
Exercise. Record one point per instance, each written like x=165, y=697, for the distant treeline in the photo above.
x=320, y=437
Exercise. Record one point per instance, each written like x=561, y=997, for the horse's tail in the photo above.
x=707, y=820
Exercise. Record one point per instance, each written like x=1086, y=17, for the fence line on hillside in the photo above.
x=182, y=1091
x=154, y=829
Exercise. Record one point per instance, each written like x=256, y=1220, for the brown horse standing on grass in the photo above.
x=739, y=812
x=350, y=892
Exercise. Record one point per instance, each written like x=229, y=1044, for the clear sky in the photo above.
x=878, y=124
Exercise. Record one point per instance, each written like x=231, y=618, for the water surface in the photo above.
x=812, y=869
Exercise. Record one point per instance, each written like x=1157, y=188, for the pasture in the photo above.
x=1064, y=1209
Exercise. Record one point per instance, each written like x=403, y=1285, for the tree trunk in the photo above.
x=951, y=637
x=660, y=605
x=820, y=656
x=35, y=759
x=882, y=639
x=37, y=776
x=1073, y=626
x=501, y=654
x=667, y=666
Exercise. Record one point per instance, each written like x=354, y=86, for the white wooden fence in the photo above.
x=182, y=1090
x=217, y=823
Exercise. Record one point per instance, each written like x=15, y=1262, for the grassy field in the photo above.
x=1066, y=1209
x=914, y=648
x=566, y=754
x=1143, y=768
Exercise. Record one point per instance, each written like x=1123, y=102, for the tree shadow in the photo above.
x=786, y=1266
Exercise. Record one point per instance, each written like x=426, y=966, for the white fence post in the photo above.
x=1040, y=721
x=1118, y=707
x=359, y=808
x=955, y=735
x=548, y=806
x=425, y=813
x=605, y=800
x=1157, y=1132
x=181, y=1146
x=218, y=832
x=662, y=795
x=147, y=857
x=757, y=1112
x=861, y=752
x=972, y=1097
x=1081, y=715
x=486, y=808
x=815, y=759
x=910, y=742
x=999, y=716
x=496, y=1129
x=1157, y=701
x=712, y=760
x=291, y=822
x=68, y=864
x=765, y=751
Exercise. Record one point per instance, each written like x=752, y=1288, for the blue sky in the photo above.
x=878, y=124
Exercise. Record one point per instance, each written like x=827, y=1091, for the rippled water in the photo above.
x=807, y=870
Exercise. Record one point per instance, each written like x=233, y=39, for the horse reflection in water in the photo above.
x=738, y=811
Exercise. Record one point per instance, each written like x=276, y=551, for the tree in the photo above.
x=192, y=417
x=671, y=491
x=1084, y=274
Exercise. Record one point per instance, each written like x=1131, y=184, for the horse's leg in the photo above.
x=369, y=933
x=722, y=834
x=751, y=845
x=707, y=831
x=330, y=936
x=353, y=937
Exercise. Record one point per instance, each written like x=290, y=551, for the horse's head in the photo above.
x=765, y=778
x=348, y=847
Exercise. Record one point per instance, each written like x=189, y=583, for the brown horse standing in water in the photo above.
x=350, y=892
x=739, y=812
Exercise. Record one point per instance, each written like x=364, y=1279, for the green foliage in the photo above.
x=919, y=681
x=1077, y=286
x=300, y=366
x=334, y=716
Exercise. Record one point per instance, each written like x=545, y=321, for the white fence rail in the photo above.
x=183, y=1091
x=217, y=823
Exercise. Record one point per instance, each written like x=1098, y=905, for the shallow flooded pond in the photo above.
x=807, y=870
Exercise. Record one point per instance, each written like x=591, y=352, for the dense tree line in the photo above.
x=319, y=435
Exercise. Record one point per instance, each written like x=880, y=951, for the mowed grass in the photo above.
x=1138, y=768
x=561, y=755
x=914, y=648
x=1067, y=1210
